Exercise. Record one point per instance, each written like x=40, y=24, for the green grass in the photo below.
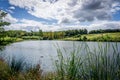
x=98, y=64
x=18, y=70
x=31, y=38
x=102, y=64
x=113, y=37
x=67, y=68
x=8, y=40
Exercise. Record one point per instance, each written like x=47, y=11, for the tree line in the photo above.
x=104, y=31
x=44, y=35
x=56, y=34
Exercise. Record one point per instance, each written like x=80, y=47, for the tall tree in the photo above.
x=2, y=24
x=40, y=33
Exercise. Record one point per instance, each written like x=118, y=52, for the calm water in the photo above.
x=44, y=52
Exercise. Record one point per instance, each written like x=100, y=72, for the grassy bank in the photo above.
x=8, y=40
x=112, y=37
x=91, y=64
x=14, y=71
x=32, y=38
x=109, y=37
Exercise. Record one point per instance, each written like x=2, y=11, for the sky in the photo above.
x=57, y=15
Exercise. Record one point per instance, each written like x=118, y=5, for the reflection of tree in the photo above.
x=2, y=48
x=1, y=54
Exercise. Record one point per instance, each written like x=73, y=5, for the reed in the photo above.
x=102, y=63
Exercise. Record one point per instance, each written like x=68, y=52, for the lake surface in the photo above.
x=45, y=52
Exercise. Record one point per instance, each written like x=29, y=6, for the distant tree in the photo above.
x=31, y=33
x=70, y=33
x=40, y=33
x=84, y=38
x=104, y=31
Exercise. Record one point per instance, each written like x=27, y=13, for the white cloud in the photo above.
x=69, y=10
x=98, y=12
x=12, y=7
x=104, y=25
x=9, y=10
x=95, y=25
x=29, y=25
x=10, y=19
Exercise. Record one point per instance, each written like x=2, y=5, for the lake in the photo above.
x=45, y=52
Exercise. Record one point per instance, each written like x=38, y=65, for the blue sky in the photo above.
x=21, y=13
x=61, y=14
x=116, y=16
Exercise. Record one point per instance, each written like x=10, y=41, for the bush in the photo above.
x=84, y=38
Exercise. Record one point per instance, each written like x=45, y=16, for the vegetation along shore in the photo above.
x=70, y=35
x=98, y=64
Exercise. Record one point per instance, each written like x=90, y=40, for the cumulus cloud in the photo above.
x=69, y=10
x=29, y=25
x=98, y=12
x=10, y=19
x=104, y=25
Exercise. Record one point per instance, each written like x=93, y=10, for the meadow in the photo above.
x=111, y=37
x=8, y=40
x=101, y=37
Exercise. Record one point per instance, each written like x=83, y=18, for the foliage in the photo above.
x=13, y=70
x=84, y=38
x=53, y=35
x=16, y=65
x=109, y=37
x=31, y=38
x=96, y=64
x=2, y=23
x=68, y=67
x=45, y=35
x=70, y=33
x=78, y=35
x=8, y=40
x=104, y=31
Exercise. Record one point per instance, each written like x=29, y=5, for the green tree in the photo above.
x=2, y=24
x=84, y=38
x=40, y=33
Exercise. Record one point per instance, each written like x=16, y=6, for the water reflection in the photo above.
x=44, y=51
x=2, y=48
